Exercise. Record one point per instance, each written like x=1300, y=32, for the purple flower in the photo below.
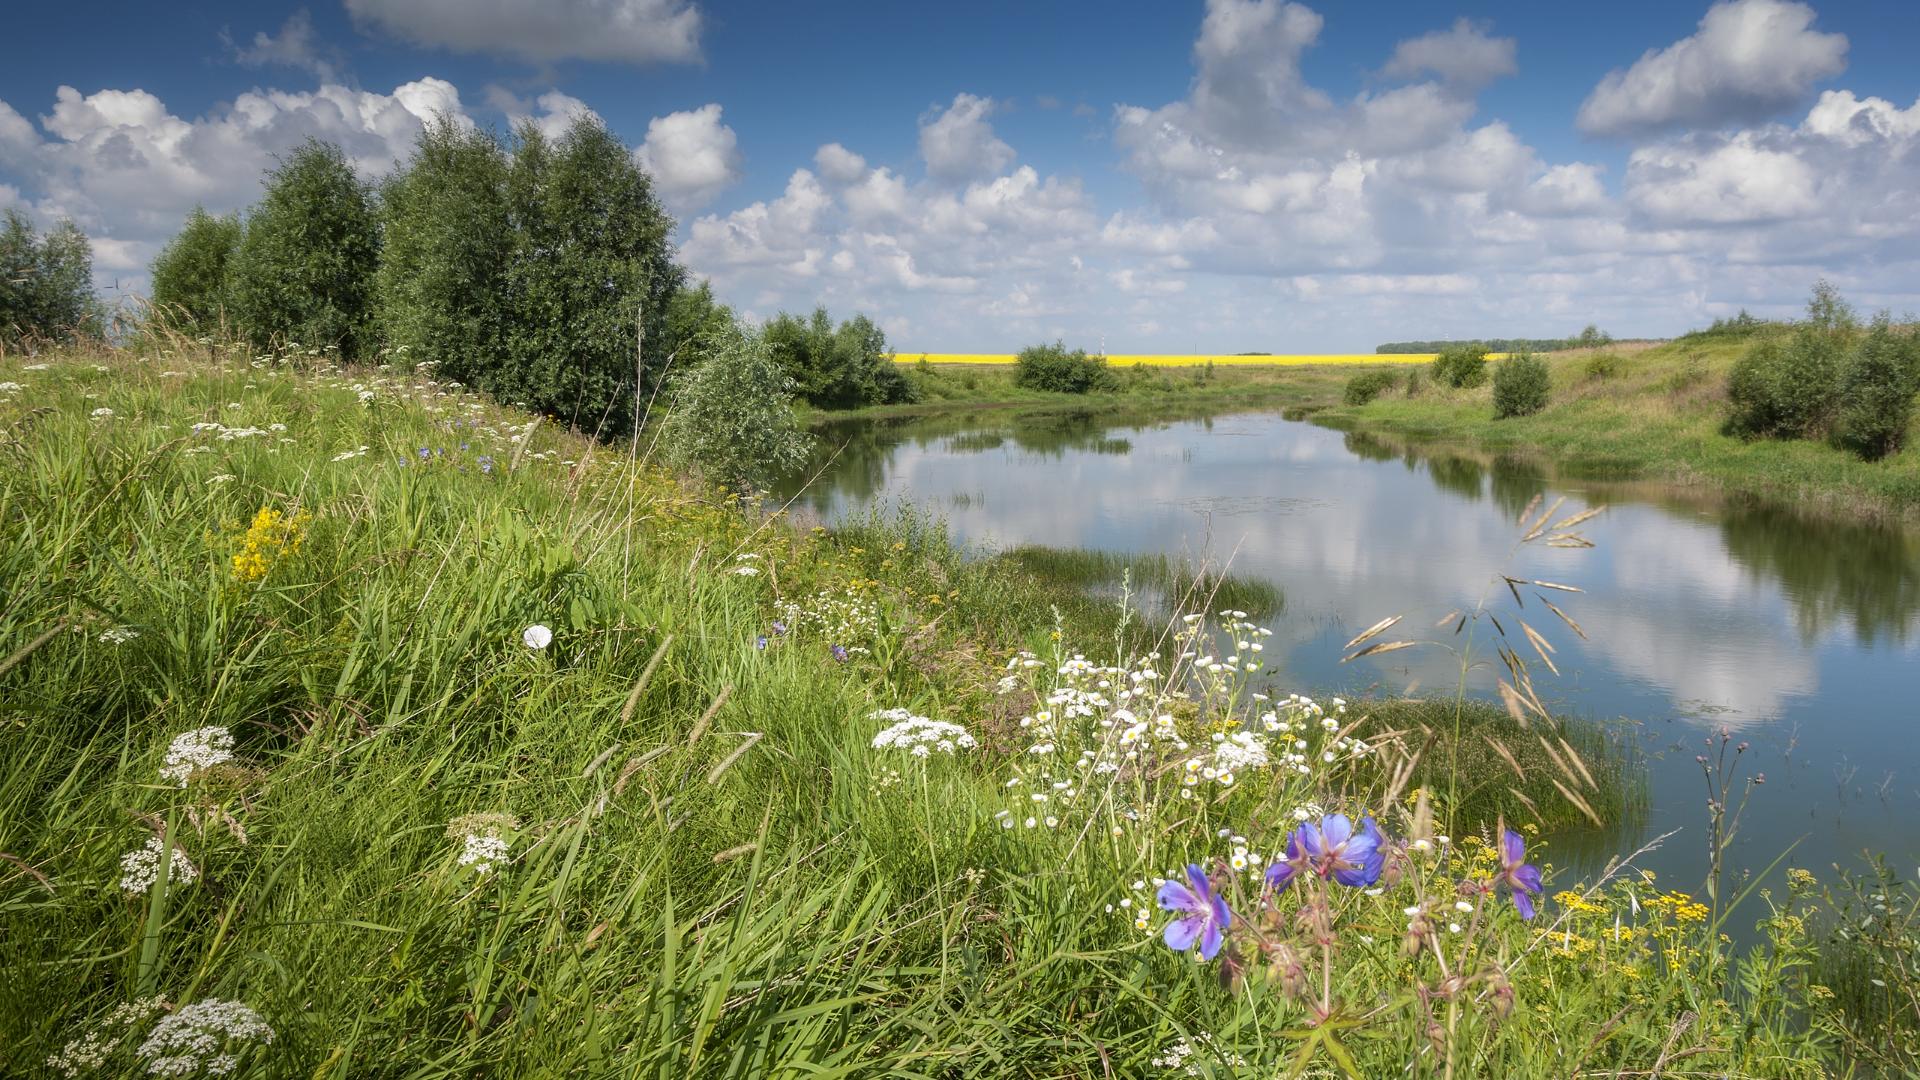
x=840, y=653
x=779, y=628
x=1332, y=849
x=1280, y=872
x=1203, y=916
x=1516, y=874
x=425, y=453
x=760, y=642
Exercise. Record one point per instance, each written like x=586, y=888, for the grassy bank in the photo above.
x=1656, y=414
x=951, y=387
x=544, y=763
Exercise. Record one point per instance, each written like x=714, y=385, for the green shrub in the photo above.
x=1520, y=385
x=440, y=292
x=304, y=269
x=1053, y=369
x=1787, y=388
x=1369, y=385
x=1602, y=366
x=190, y=276
x=46, y=283
x=842, y=367
x=732, y=418
x=1461, y=366
x=1590, y=338
x=1876, y=392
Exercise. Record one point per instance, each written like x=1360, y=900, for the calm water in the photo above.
x=1801, y=636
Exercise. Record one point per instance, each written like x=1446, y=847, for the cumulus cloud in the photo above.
x=958, y=143
x=692, y=156
x=295, y=46
x=839, y=164
x=1465, y=55
x=552, y=113
x=622, y=31
x=1748, y=60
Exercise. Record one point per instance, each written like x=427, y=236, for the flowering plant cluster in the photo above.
x=918, y=735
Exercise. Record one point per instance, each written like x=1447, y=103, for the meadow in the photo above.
x=360, y=726
x=1190, y=360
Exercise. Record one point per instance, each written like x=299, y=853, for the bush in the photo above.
x=1461, y=366
x=732, y=419
x=1520, y=385
x=46, y=283
x=304, y=269
x=190, y=276
x=440, y=290
x=1590, y=338
x=1876, y=392
x=592, y=263
x=1602, y=366
x=838, y=368
x=1416, y=382
x=1365, y=387
x=1053, y=369
x=1787, y=388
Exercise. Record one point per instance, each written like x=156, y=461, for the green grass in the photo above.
x=711, y=871
x=1144, y=390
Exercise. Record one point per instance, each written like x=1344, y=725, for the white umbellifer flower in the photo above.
x=482, y=850
x=140, y=868
x=102, y=413
x=918, y=735
x=90, y=1052
x=119, y=635
x=10, y=388
x=196, y=751
x=536, y=637
x=202, y=1037
x=745, y=571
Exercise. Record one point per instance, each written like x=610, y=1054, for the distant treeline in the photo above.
x=1590, y=338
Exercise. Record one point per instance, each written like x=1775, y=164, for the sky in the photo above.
x=1226, y=176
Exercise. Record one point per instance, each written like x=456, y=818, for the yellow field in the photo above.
x=1171, y=360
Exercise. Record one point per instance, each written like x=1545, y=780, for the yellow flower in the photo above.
x=272, y=536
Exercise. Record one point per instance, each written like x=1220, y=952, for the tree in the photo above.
x=1877, y=391
x=304, y=271
x=46, y=283
x=1826, y=310
x=588, y=280
x=1520, y=386
x=838, y=368
x=1591, y=338
x=732, y=419
x=190, y=276
x=1461, y=367
x=1052, y=368
x=440, y=292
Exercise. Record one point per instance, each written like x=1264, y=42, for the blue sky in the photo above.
x=1164, y=177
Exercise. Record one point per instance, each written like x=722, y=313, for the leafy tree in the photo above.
x=1592, y=337
x=440, y=291
x=190, y=276
x=1461, y=366
x=1826, y=310
x=1787, y=388
x=305, y=268
x=732, y=418
x=588, y=280
x=46, y=283
x=694, y=320
x=1052, y=368
x=838, y=368
x=1877, y=392
x=1366, y=386
x=1520, y=386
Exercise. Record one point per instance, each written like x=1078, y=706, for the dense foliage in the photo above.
x=732, y=419
x=1520, y=385
x=1877, y=392
x=1461, y=366
x=1365, y=387
x=304, y=269
x=1053, y=369
x=841, y=367
x=1589, y=338
x=190, y=276
x=46, y=283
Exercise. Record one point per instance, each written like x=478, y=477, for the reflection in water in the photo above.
x=1800, y=632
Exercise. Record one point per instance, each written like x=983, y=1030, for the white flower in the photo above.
x=745, y=571
x=920, y=736
x=119, y=635
x=102, y=413
x=195, y=751
x=140, y=868
x=10, y=388
x=536, y=637
x=482, y=850
x=201, y=1036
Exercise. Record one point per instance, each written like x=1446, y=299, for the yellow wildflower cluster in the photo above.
x=1679, y=906
x=273, y=535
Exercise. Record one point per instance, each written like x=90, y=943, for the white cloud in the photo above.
x=1749, y=59
x=958, y=143
x=626, y=31
x=296, y=46
x=1465, y=55
x=1720, y=182
x=552, y=113
x=839, y=164
x=692, y=156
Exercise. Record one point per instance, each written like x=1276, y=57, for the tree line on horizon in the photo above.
x=1592, y=337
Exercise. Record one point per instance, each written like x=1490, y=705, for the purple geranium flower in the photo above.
x=1280, y=872
x=1517, y=874
x=779, y=628
x=1203, y=915
x=840, y=653
x=1333, y=849
x=760, y=642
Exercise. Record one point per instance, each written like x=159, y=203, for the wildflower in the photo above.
x=196, y=751
x=119, y=635
x=779, y=628
x=1203, y=916
x=90, y=1052
x=920, y=736
x=760, y=642
x=1333, y=849
x=1516, y=873
x=140, y=868
x=102, y=413
x=1281, y=871
x=840, y=653
x=536, y=637
x=206, y=1035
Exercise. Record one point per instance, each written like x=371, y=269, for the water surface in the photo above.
x=1801, y=636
